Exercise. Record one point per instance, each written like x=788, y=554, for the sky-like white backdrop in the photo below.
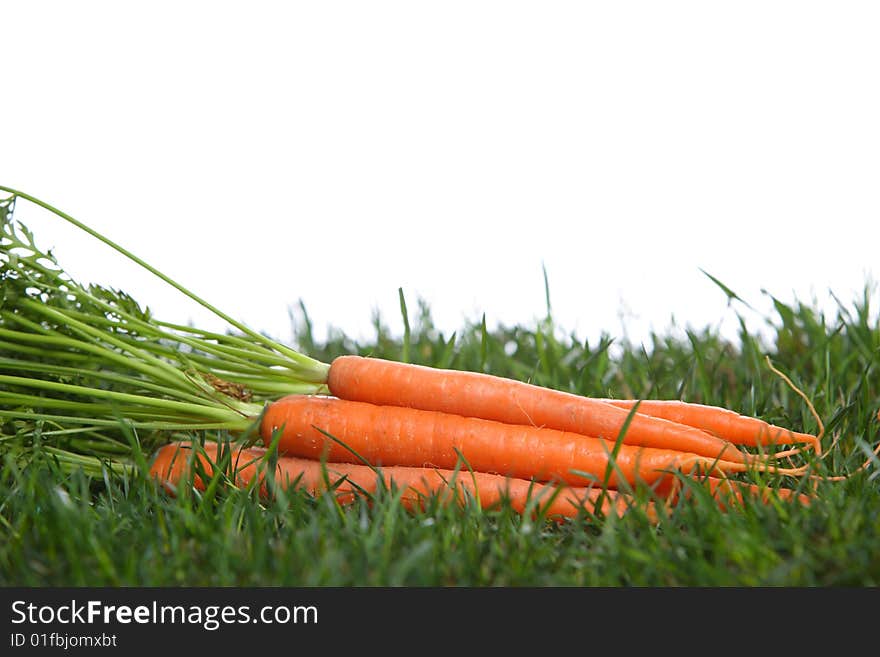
x=265, y=152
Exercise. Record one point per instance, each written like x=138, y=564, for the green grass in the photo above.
x=62, y=528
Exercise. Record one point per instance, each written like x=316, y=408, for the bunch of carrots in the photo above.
x=417, y=426
x=82, y=360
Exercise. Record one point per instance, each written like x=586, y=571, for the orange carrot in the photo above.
x=348, y=481
x=725, y=491
x=392, y=435
x=722, y=422
x=489, y=397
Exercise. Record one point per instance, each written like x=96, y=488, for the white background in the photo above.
x=266, y=152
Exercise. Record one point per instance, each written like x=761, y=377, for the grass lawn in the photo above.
x=69, y=529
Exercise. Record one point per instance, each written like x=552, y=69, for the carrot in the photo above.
x=721, y=422
x=392, y=435
x=725, y=491
x=348, y=481
x=489, y=397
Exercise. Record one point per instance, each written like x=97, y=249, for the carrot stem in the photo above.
x=312, y=369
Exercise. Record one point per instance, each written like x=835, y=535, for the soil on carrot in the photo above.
x=64, y=529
